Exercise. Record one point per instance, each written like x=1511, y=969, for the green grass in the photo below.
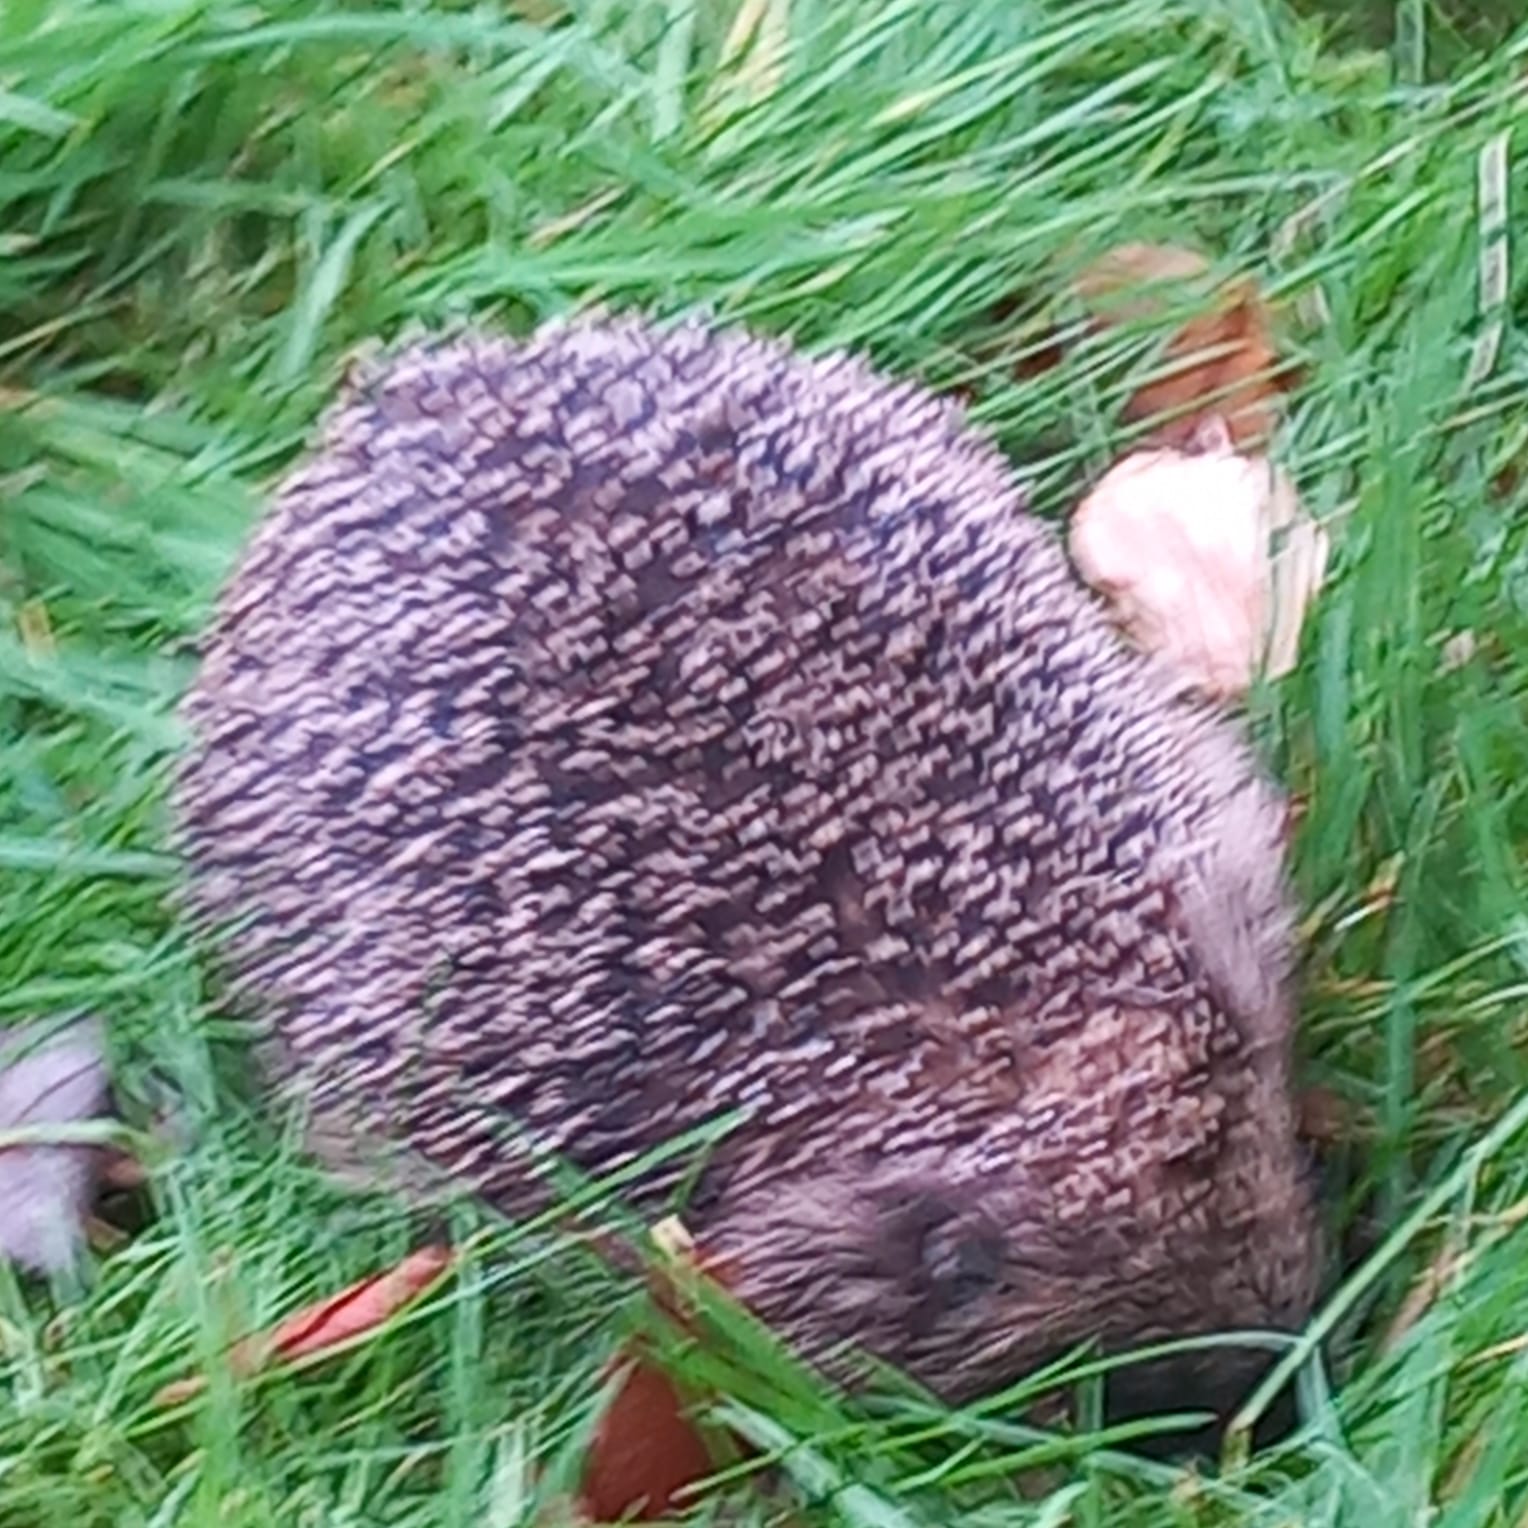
x=205, y=206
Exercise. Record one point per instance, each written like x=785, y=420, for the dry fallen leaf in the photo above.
x=1184, y=546
x=1222, y=363
x=646, y=1454
x=327, y=1326
x=48, y=1077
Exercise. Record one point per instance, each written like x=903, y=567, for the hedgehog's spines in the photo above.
x=635, y=720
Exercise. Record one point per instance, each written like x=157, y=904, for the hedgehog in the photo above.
x=648, y=723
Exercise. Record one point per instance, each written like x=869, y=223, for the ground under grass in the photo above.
x=204, y=206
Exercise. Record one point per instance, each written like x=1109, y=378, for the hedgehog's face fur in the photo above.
x=638, y=725
x=969, y=1286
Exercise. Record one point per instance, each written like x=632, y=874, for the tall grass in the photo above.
x=205, y=206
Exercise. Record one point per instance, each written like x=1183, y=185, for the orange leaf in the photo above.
x=358, y=1311
x=330, y=1324
x=1223, y=361
x=646, y=1454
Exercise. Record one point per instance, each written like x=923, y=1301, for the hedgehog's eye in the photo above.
x=943, y=1252
x=967, y=1268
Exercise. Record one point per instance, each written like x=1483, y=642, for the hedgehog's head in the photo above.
x=970, y=1287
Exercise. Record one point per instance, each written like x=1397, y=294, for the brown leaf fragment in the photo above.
x=647, y=1454
x=1222, y=362
x=330, y=1325
x=357, y=1312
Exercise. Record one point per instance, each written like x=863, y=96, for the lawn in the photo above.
x=206, y=205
